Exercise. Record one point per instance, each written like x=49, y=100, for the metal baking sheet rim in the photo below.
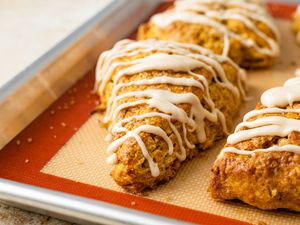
x=74, y=208
x=66, y=206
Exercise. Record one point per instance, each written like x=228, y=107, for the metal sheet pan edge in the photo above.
x=74, y=208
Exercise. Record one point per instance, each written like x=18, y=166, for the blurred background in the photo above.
x=29, y=28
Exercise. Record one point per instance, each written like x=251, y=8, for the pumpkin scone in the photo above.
x=240, y=29
x=260, y=164
x=165, y=101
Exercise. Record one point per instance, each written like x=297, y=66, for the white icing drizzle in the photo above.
x=270, y=125
x=163, y=56
x=119, y=128
x=273, y=123
x=274, y=148
x=200, y=12
x=126, y=47
x=112, y=159
x=282, y=96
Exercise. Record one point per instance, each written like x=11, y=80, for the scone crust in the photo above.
x=131, y=170
x=212, y=38
x=267, y=180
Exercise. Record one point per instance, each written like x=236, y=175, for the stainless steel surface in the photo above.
x=74, y=208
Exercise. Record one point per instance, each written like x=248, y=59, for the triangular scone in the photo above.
x=260, y=163
x=164, y=102
x=240, y=29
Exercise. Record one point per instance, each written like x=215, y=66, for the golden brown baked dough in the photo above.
x=260, y=164
x=241, y=29
x=164, y=101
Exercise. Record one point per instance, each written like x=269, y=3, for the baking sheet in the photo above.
x=63, y=148
x=82, y=159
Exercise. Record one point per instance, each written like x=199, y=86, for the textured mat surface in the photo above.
x=83, y=159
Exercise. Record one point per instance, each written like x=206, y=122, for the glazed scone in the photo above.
x=296, y=23
x=240, y=29
x=164, y=101
x=260, y=164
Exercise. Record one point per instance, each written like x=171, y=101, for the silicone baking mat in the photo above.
x=63, y=149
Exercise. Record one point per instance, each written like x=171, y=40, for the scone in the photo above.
x=240, y=29
x=260, y=164
x=296, y=23
x=164, y=101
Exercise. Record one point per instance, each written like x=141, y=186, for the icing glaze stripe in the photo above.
x=201, y=12
x=274, y=122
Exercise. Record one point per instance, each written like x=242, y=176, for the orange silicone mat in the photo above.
x=63, y=150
